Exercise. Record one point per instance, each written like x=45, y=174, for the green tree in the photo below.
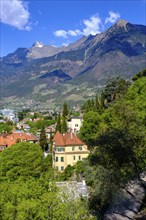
x=39, y=199
x=51, y=142
x=68, y=172
x=90, y=128
x=65, y=111
x=22, y=115
x=58, y=125
x=21, y=160
x=64, y=125
x=43, y=139
x=98, y=105
x=114, y=89
x=136, y=98
x=5, y=128
x=139, y=75
x=119, y=155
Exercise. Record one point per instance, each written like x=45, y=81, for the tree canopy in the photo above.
x=117, y=139
x=43, y=139
x=28, y=189
x=23, y=159
x=39, y=199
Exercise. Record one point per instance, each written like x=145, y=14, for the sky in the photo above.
x=59, y=23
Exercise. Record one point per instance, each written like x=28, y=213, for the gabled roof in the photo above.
x=67, y=139
x=58, y=139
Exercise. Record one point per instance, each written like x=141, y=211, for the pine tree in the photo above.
x=98, y=106
x=43, y=139
x=65, y=111
x=58, y=126
x=51, y=141
x=64, y=125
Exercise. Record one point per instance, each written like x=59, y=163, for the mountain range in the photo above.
x=45, y=76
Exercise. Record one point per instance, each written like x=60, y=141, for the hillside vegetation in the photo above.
x=114, y=128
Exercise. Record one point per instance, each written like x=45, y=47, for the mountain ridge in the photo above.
x=86, y=63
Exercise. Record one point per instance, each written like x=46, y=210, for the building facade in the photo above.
x=75, y=123
x=67, y=150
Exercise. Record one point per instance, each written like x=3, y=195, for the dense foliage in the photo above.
x=21, y=160
x=6, y=127
x=34, y=126
x=39, y=199
x=28, y=189
x=116, y=135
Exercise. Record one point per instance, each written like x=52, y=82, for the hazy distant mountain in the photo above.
x=47, y=72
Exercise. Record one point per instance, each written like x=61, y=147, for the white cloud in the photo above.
x=93, y=25
x=74, y=33
x=65, y=44
x=113, y=17
x=15, y=13
x=60, y=33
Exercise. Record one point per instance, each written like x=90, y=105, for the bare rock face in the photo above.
x=128, y=203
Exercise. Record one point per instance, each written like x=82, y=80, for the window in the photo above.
x=56, y=159
x=79, y=157
x=73, y=148
x=80, y=148
x=62, y=159
x=76, y=125
x=59, y=149
x=62, y=168
x=74, y=157
x=56, y=167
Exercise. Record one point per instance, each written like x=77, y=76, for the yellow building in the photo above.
x=67, y=150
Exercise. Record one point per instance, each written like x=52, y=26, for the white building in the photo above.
x=75, y=123
x=9, y=114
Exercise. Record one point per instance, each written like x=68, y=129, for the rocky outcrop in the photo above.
x=128, y=202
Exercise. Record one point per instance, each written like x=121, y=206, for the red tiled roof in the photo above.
x=2, y=141
x=58, y=139
x=68, y=138
x=11, y=139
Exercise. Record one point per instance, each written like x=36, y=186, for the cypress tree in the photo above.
x=98, y=106
x=43, y=139
x=64, y=125
x=51, y=142
x=65, y=111
x=58, y=126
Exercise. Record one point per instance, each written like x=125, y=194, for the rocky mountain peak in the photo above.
x=122, y=23
x=87, y=63
x=38, y=44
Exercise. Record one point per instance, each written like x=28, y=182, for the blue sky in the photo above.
x=61, y=22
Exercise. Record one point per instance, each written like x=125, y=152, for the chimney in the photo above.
x=75, y=131
x=71, y=134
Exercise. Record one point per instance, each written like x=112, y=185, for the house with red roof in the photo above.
x=7, y=140
x=67, y=150
x=3, y=143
